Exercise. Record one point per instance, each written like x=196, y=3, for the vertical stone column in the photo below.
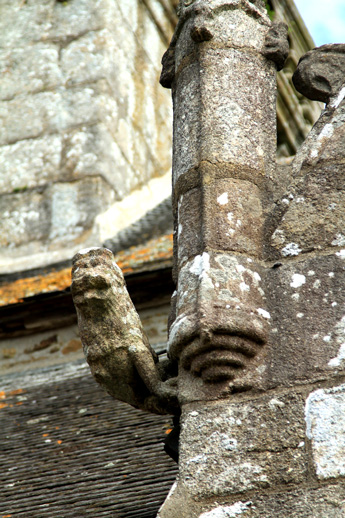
x=224, y=147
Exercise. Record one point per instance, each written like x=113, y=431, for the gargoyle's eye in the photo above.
x=188, y=2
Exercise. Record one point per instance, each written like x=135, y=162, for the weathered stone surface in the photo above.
x=223, y=150
x=16, y=17
x=92, y=150
x=306, y=303
x=325, y=502
x=212, y=335
x=312, y=208
x=48, y=112
x=61, y=213
x=87, y=106
x=221, y=214
x=29, y=69
x=214, y=123
x=233, y=28
x=50, y=20
x=308, y=502
x=113, y=338
x=320, y=72
x=276, y=47
x=189, y=226
x=240, y=450
x=22, y=214
x=30, y=163
x=89, y=58
x=234, y=216
x=325, y=418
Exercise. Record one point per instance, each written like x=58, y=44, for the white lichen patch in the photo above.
x=263, y=313
x=291, y=249
x=335, y=103
x=339, y=360
x=339, y=240
x=231, y=511
x=339, y=338
x=325, y=134
x=222, y=441
x=223, y=199
x=180, y=228
x=325, y=428
x=177, y=329
x=276, y=403
x=297, y=280
x=201, y=265
x=317, y=284
x=341, y=254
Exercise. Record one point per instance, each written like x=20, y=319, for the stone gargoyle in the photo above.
x=114, y=342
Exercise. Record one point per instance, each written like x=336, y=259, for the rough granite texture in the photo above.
x=223, y=151
x=268, y=449
x=88, y=107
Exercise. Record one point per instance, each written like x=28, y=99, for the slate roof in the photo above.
x=69, y=450
x=153, y=255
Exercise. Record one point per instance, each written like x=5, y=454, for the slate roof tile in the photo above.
x=69, y=450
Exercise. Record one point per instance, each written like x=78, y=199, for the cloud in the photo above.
x=324, y=20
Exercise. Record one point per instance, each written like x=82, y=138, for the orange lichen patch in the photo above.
x=168, y=431
x=72, y=346
x=59, y=441
x=16, y=391
x=16, y=291
x=45, y=434
x=4, y=395
x=155, y=253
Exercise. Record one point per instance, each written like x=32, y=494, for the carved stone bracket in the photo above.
x=321, y=72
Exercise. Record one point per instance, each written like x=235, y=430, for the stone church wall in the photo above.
x=83, y=123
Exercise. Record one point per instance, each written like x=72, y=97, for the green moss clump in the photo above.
x=269, y=9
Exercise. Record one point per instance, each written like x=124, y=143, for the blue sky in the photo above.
x=325, y=19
